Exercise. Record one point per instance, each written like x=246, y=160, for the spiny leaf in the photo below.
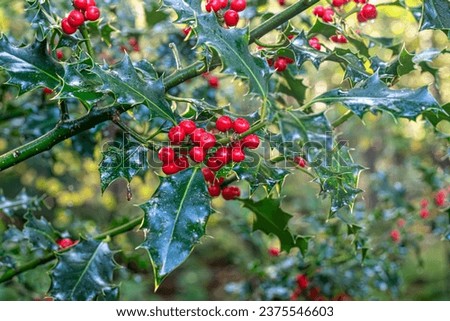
x=436, y=15
x=40, y=233
x=84, y=273
x=22, y=202
x=129, y=88
x=271, y=219
x=186, y=10
x=175, y=220
x=373, y=95
x=123, y=160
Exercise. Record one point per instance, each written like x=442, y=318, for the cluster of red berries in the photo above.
x=315, y=43
x=134, y=45
x=84, y=10
x=65, y=243
x=280, y=63
x=202, y=147
x=424, y=211
x=367, y=12
x=231, y=15
x=304, y=288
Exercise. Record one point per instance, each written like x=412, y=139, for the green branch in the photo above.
x=9, y=274
x=68, y=129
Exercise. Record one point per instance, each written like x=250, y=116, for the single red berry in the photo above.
x=302, y=281
x=214, y=190
x=208, y=175
x=281, y=2
x=75, y=18
x=338, y=3
x=197, y=154
x=47, y=91
x=300, y=161
x=67, y=27
x=274, y=251
x=197, y=134
x=440, y=198
x=241, y=125
x=215, y=5
x=213, y=82
x=133, y=41
x=176, y=134
x=223, y=3
x=170, y=168
x=80, y=4
x=59, y=54
x=222, y=154
x=231, y=18
x=251, y=141
x=207, y=140
x=328, y=15
x=224, y=123
x=65, y=243
x=314, y=42
x=395, y=235
x=360, y=17
x=188, y=126
x=319, y=11
x=314, y=293
x=290, y=37
x=338, y=39
x=166, y=154
x=92, y=13
x=231, y=192
x=181, y=162
x=187, y=31
x=424, y=213
x=208, y=6
x=424, y=203
x=237, y=155
x=214, y=164
x=90, y=3
x=280, y=64
x=401, y=222
x=369, y=11
x=238, y=5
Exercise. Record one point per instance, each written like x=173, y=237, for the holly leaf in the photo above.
x=40, y=233
x=29, y=67
x=374, y=96
x=175, y=220
x=304, y=52
x=436, y=15
x=122, y=160
x=272, y=220
x=83, y=273
x=22, y=202
x=128, y=88
x=325, y=29
x=186, y=10
x=436, y=118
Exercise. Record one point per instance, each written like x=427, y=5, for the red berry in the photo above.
x=176, y=134
x=208, y=6
x=66, y=27
x=314, y=293
x=241, y=125
x=294, y=296
x=360, y=17
x=207, y=140
x=224, y=123
x=222, y=154
x=424, y=213
x=214, y=164
x=280, y=64
x=395, y=235
x=213, y=82
x=314, y=42
x=187, y=30
x=338, y=3
x=166, y=154
x=75, y=18
x=318, y=11
x=80, y=4
x=424, y=203
x=47, y=91
x=231, y=192
x=188, y=126
x=197, y=154
x=197, y=134
x=92, y=13
x=59, y=54
x=214, y=190
x=251, y=141
x=273, y=251
x=238, y=5
x=302, y=281
x=208, y=175
x=237, y=155
x=360, y=1
x=215, y=5
x=223, y=3
x=300, y=161
x=440, y=198
x=170, y=168
x=90, y=3
x=328, y=15
x=231, y=18
x=338, y=39
x=181, y=162
x=281, y=2
x=401, y=222
x=65, y=243
x=369, y=11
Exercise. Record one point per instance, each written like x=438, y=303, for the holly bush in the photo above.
x=236, y=115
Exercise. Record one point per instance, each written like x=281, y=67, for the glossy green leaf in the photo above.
x=304, y=52
x=436, y=15
x=186, y=10
x=272, y=220
x=436, y=118
x=123, y=81
x=374, y=96
x=324, y=29
x=38, y=15
x=122, y=161
x=175, y=220
x=84, y=272
x=21, y=203
x=40, y=233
